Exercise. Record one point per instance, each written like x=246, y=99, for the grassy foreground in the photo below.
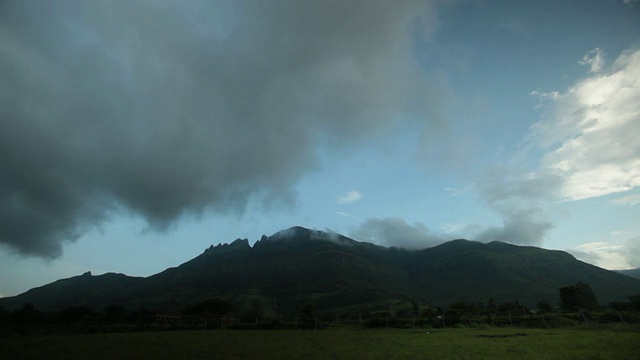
x=494, y=343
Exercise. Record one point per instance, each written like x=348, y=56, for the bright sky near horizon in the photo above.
x=134, y=134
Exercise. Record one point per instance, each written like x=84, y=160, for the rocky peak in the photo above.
x=240, y=243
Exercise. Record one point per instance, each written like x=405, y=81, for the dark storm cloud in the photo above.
x=397, y=232
x=169, y=108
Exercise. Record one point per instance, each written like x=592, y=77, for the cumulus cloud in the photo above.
x=590, y=133
x=350, y=197
x=520, y=201
x=604, y=254
x=177, y=107
x=589, y=146
x=397, y=232
x=589, y=149
x=522, y=226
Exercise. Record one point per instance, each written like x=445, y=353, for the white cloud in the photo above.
x=453, y=228
x=610, y=256
x=456, y=192
x=591, y=133
x=397, y=232
x=552, y=95
x=520, y=199
x=525, y=226
x=346, y=215
x=350, y=197
x=602, y=254
x=594, y=59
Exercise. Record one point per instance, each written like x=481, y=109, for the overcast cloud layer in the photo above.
x=169, y=108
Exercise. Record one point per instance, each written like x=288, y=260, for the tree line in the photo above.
x=578, y=304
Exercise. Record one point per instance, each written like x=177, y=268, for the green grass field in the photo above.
x=492, y=343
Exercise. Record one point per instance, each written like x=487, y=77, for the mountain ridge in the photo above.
x=298, y=265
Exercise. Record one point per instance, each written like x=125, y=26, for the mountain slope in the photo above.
x=509, y=272
x=298, y=265
x=84, y=289
x=634, y=273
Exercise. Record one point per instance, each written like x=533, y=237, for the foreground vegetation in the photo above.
x=222, y=328
x=611, y=342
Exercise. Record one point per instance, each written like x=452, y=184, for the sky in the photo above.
x=134, y=134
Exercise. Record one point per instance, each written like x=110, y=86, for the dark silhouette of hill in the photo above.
x=297, y=266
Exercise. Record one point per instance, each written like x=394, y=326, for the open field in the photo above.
x=491, y=343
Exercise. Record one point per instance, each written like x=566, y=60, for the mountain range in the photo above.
x=297, y=266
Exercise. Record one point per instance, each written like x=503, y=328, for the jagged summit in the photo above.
x=240, y=243
x=236, y=244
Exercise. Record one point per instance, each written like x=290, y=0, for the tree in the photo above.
x=544, y=306
x=213, y=306
x=635, y=302
x=4, y=316
x=75, y=313
x=27, y=315
x=254, y=311
x=113, y=313
x=632, y=305
x=429, y=312
x=492, y=305
x=310, y=314
x=577, y=297
x=513, y=306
